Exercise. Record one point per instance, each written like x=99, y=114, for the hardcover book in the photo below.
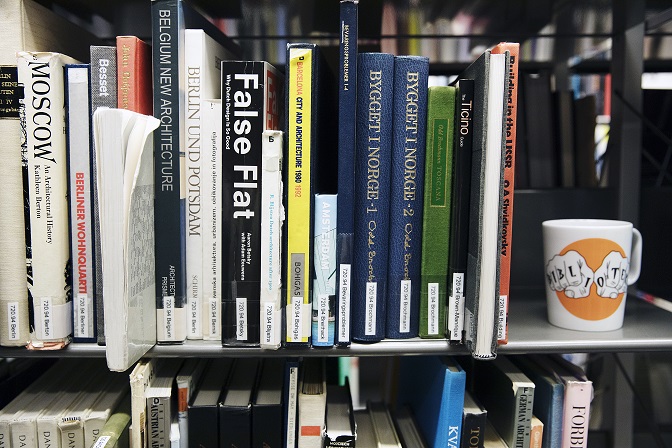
x=324, y=277
x=78, y=137
x=436, y=226
x=375, y=72
x=474, y=419
x=134, y=75
x=235, y=405
x=123, y=142
x=291, y=399
x=383, y=426
x=347, y=108
x=312, y=403
x=407, y=428
x=509, y=168
x=484, y=246
x=459, y=214
x=103, y=409
x=50, y=286
x=115, y=431
x=267, y=405
x=251, y=104
x=203, y=412
x=161, y=400
x=186, y=380
x=407, y=174
x=139, y=379
x=340, y=420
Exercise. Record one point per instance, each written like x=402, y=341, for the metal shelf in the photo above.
x=646, y=328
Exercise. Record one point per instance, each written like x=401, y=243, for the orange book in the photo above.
x=134, y=75
x=509, y=160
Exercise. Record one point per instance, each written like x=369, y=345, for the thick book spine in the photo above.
x=81, y=226
x=235, y=425
x=211, y=167
x=576, y=414
x=50, y=286
x=14, y=323
x=347, y=107
x=375, y=72
x=301, y=88
x=249, y=107
x=169, y=201
x=436, y=212
x=271, y=241
x=134, y=78
x=509, y=167
x=407, y=174
x=103, y=94
x=158, y=421
x=459, y=213
x=473, y=430
x=324, y=279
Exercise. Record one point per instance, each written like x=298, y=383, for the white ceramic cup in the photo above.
x=589, y=264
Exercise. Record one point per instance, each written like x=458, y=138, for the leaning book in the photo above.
x=126, y=192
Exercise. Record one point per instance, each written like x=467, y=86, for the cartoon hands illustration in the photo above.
x=612, y=277
x=571, y=274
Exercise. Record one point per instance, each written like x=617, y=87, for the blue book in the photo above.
x=324, y=270
x=433, y=387
x=347, y=108
x=375, y=73
x=407, y=176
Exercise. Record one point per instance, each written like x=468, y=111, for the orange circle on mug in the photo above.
x=593, y=307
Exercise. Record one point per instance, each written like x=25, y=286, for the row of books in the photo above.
x=297, y=402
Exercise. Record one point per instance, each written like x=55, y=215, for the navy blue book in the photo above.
x=407, y=176
x=375, y=75
x=345, y=221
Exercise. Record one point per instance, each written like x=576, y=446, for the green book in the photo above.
x=436, y=212
x=115, y=432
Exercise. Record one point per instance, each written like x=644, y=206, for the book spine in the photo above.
x=242, y=127
x=169, y=201
x=301, y=116
x=71, y=437
x=14, y=323
x=436, y=212
x=407, y=173
x=347, y=107
x=271, y=237
x=375, y=72
x=211, y=166
x=291, y=397
x=203, y=426
x=576, y=414
x=523, y=422
x=24, y=433
x=158, y=421
x=459, y=214
x=139, y=379
x=509, y=163
x=536, y=433
x=267, y=426
x=473, y=428
x=79, y=174
x=134, y=90
x=235, y=426
x=103, y=94
x=324, y=280
x=193, y=72
x=42, y=77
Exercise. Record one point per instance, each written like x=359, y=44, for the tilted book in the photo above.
x=80, y=180
x=50, y=286
x=251, y=104
x=347, y=107
x=375, y=72
x=407, y=174
x=272, y=217
x=483, y=260
x=103, y=94
x=203, y=74
x=126, y=192
x=509, y=168
x=324, y=277
x=436, y=226
x=134, y=74
x=459, y=215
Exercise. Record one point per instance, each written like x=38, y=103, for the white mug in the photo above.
x=589, y=264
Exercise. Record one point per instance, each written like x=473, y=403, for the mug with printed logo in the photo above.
x=589, y=264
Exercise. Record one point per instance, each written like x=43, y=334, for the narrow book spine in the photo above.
x=271, y=238
x=375, y=72
x=324, y=279
x=291, y=397
x=523, y=423
x=79, y=173
x=301, y=87
x=407, y=173
x=169, y=201
x=347, y=107
x=473, y=430
x=158, y=421
x=459, y=214
x=134, y=64
x=576, y=414
x=436, y=226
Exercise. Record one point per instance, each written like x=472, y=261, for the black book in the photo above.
x=203, y=410
x=235, y=405
x=474, y=419
x=541, y=149
x=267, y=405
x=340, y=417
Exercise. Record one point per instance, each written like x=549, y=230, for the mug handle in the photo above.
x=636, y=257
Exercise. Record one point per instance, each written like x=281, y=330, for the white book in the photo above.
x=101, y=410
x=312, y=403
x=211, y=167
x=272, y=216
x=142, y=374
x=291, y=402
x=383, y=426
x=125, y=168
x=202, y=73
x=160, y=398
x=81, y=218
x=42, y=77
x=187, y=379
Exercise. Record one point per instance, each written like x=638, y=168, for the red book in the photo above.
x=134, y=75
x=509, y=161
